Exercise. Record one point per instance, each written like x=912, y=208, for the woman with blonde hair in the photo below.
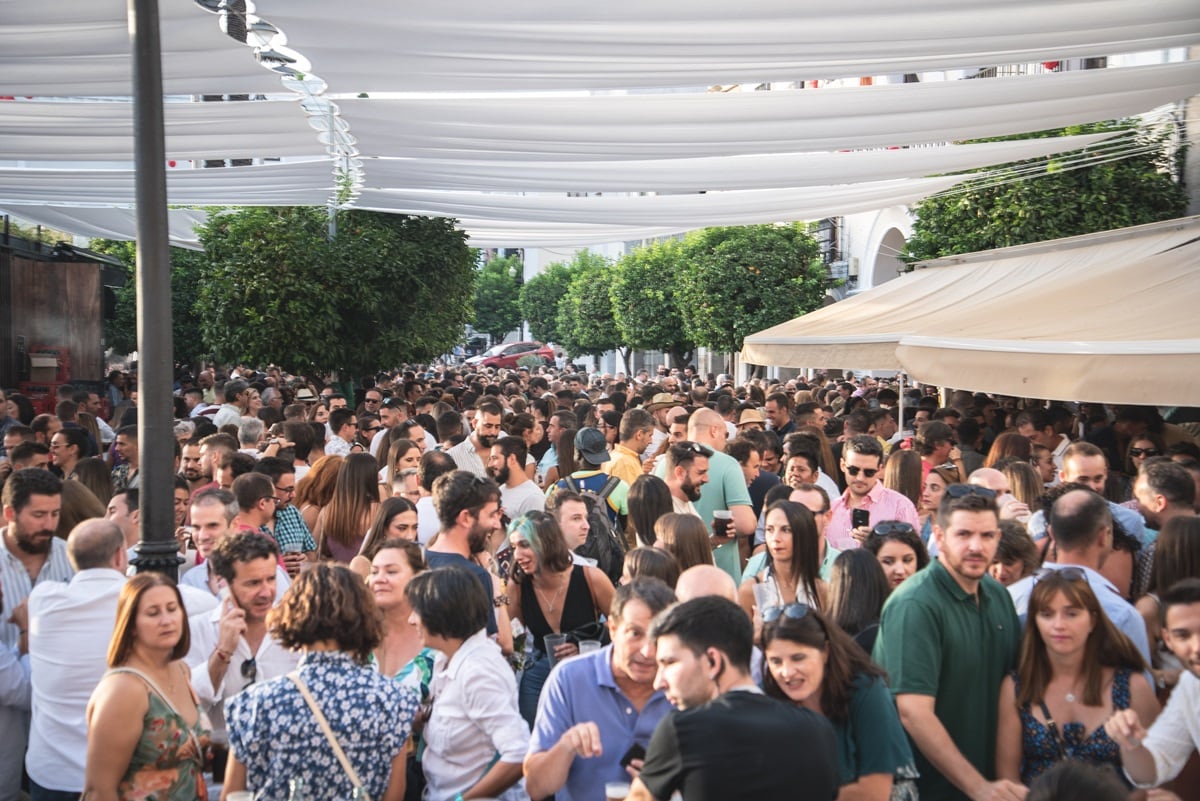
x=146, y=732
x=316, y=488
x=343, y=524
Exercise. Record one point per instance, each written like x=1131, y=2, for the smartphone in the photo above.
x=635, y=752
x=860, y=518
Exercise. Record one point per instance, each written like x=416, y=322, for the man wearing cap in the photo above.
x=658, y=406
x=636, y=433
x=591, y=451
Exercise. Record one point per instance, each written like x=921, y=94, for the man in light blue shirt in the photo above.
x=1081, y=527
x=596, y=707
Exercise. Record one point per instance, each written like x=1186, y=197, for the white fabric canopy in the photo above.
x=680, y=211
x=81, y=47
x=292, y=184
x=548, y=44
x=760, y=171
x=1082, y=313
x=108, y=222
x=673, y=126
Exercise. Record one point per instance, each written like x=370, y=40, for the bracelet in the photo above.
x=500, y=600
x=224, y=656
x=458, y=797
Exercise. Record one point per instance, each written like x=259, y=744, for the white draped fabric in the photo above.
x=81, y=47
x=108, y=222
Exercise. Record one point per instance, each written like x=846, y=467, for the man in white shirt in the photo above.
x=471, y=453
x=434, y=465
x=70, y=625
x=1153, y=757
x=506, y=465
x=344, y=428
x=237, y=394
x=231, y=648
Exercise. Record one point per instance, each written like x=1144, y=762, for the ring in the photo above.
x=1135, y=742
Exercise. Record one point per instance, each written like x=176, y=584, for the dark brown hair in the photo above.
x=328, y=602
x=685, y=538
x=128, y=603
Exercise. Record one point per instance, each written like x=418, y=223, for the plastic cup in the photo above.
x=241, y=795
x=589, y=646
x=765, y=596
x=552, y=642
x=722, y=521
x=616, y=791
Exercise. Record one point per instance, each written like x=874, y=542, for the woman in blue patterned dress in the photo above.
x=1075, y=670
x=274, y=737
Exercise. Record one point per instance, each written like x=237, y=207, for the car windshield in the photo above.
x=494, y=350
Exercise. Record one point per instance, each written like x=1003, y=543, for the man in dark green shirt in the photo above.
x=947, y=637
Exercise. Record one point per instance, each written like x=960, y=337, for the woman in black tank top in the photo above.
x=549, y=594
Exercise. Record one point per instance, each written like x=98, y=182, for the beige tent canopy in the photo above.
x=1107, y=317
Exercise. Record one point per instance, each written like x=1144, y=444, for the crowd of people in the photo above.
x=444, y=585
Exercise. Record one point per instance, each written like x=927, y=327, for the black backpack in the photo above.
x=603, y=542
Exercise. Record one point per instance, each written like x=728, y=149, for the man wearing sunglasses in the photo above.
x=862, y=464
x=947, y=637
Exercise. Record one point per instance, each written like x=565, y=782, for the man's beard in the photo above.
x=691, y=491
x=30, y=544
x=192, y=474
x=501, y=475
x=477, y=538
x=486, y=441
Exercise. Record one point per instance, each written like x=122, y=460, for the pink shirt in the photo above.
x=881, y=502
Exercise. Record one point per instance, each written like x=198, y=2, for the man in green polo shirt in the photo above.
x=947, y=637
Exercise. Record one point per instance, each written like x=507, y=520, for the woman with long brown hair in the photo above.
x=146, y=733
x=685, y=537
x=316, y=488
x=1076, y=668
x=342, y=525
x=793, y=565
x=1010, y=443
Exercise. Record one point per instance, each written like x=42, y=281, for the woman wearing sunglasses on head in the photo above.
x=1075, y=670
x=792, y=572
x=813, y=663
x=898, y=548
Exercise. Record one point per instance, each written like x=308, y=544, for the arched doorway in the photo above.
x=887, y=264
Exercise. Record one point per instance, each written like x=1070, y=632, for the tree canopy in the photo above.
x=539, y=298
x=585, y=313
x=497, y=297
x=1035, y=201
x=647, y=310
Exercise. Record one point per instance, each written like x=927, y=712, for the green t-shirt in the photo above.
x=872, y=740
x=935, y=639
x=725, y=489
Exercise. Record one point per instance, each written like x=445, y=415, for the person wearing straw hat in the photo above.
x=658, y=406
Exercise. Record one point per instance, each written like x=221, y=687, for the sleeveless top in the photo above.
x=578, y=608
x=1040, y=750
x=169, y=756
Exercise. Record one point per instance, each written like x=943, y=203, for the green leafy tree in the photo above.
x=497, y=297
x=645, y=299
x=539, y=298
x=585, y=313
x=1034, y=201
x=743, y=279
x=387, y=289
x=187, y=268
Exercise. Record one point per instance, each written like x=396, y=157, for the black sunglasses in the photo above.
x=793, y=611
x=963, y=490
x=250, y=670
x=888, y=527
x=869, y=472
x=1143, y=451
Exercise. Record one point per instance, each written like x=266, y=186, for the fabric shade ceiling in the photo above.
x=788, y=121
x=1105, y=317
x=547, y=44
x=81, y=47
x=108, y=222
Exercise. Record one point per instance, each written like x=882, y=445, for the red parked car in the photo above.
x=507, y=355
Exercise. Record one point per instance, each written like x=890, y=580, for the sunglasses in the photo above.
x=373, y=430
x=869, y=472
x=889, y=527
x=963, y=490
x=1143, y=452
x=1068, y=573
x=250, y=670
x=793, y=611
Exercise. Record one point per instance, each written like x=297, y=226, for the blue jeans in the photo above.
x=530, y=690
x=39, y=793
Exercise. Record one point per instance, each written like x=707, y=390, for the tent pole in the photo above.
x=900, y=406
x=157, y=549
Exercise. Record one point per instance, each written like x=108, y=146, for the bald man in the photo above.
x=726, y=490
x=997, y=482
x=699, y=581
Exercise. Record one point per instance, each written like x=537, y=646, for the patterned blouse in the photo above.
x=168, y=758
x=273, y=733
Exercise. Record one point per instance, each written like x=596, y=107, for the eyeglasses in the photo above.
x=372, y=430
x=286, y=490
x=250, y=670
x=869, y=472
x=793, y=611
x=963, y=490
x=1135, y=452
x=888, y=527
x=372, y=401
x=1068, y=573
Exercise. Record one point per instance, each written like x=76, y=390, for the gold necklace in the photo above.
x=561, y=585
